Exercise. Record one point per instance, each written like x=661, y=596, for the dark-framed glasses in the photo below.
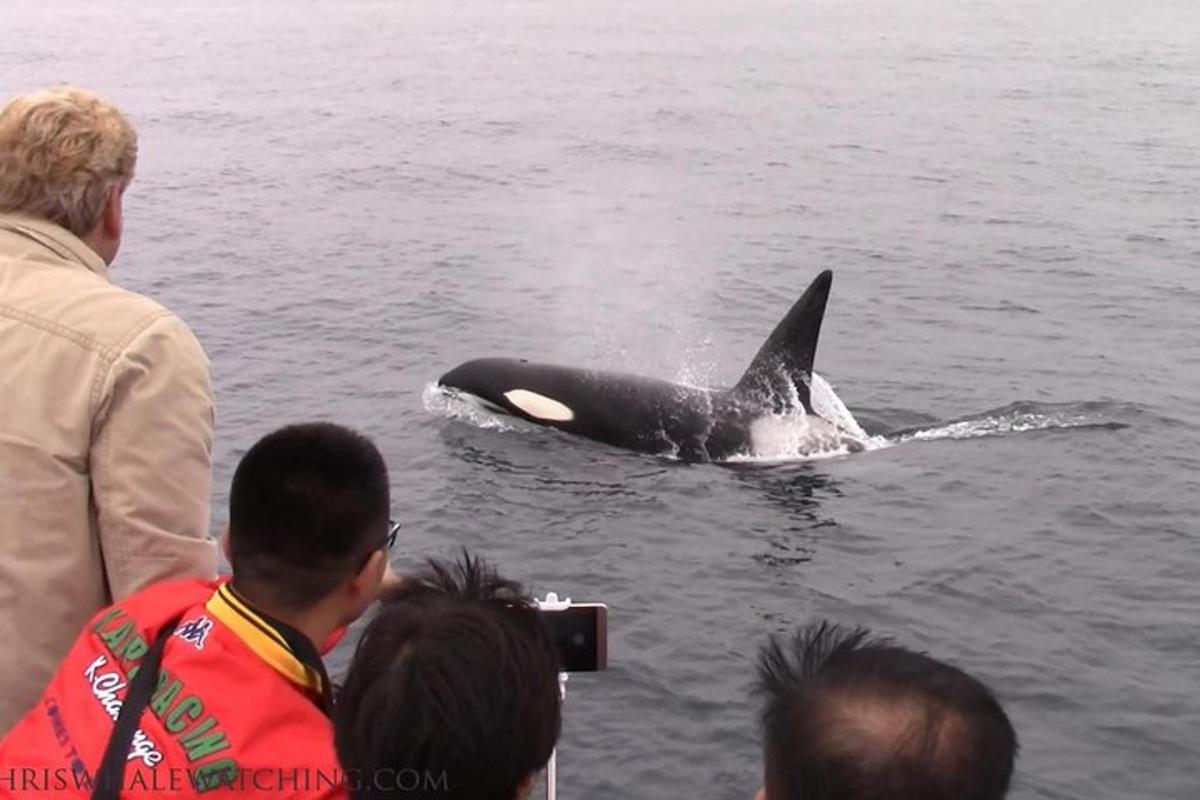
x=393, y=529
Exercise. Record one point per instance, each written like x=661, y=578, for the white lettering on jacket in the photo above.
x=105, y=686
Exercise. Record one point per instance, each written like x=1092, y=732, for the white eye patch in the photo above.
x=539, y=406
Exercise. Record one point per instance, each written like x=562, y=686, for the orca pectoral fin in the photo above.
x=787, y=355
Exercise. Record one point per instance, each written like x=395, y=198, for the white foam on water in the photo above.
x=794, y=435
x=467, y=407
x=827, y=405
x=1001, y=424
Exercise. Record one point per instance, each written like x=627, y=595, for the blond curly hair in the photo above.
x=61, y=151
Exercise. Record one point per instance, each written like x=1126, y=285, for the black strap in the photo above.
x=111, y=775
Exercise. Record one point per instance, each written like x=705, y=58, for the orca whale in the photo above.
x=653, y=416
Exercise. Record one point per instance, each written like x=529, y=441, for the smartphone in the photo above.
x=580, y=633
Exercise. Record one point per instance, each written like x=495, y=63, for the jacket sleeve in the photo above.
x=151, y=460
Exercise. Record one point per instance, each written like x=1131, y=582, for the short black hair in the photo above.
x=852, y=717
x=308, y=504
x=455, y=684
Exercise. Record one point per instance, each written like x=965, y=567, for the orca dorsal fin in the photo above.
x=787, y=355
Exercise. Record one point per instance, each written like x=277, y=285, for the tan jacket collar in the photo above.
x=54, y=238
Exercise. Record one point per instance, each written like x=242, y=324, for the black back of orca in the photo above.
x=655, y=416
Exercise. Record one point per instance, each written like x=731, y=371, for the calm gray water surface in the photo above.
x=346, y=199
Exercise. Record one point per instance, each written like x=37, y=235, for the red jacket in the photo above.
x=235, y=712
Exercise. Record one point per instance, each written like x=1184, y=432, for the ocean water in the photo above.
x=347, y=199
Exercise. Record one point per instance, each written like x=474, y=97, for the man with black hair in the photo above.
x=853, y=717
x=453, y=691
x=242, y=704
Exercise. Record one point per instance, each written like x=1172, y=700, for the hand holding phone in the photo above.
x=580, y=633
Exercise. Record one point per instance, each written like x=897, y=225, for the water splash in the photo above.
x=826, y=404
x=1023, y=417
x=451, y=404
x=830, y=431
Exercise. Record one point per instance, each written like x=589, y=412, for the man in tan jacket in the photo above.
x=105, y=402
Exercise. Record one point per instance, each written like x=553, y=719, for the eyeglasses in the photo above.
x=393, y=529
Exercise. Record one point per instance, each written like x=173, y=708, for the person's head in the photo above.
x=308, y=521
x=453, y=691
x=66, y=156
x=852, y=717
